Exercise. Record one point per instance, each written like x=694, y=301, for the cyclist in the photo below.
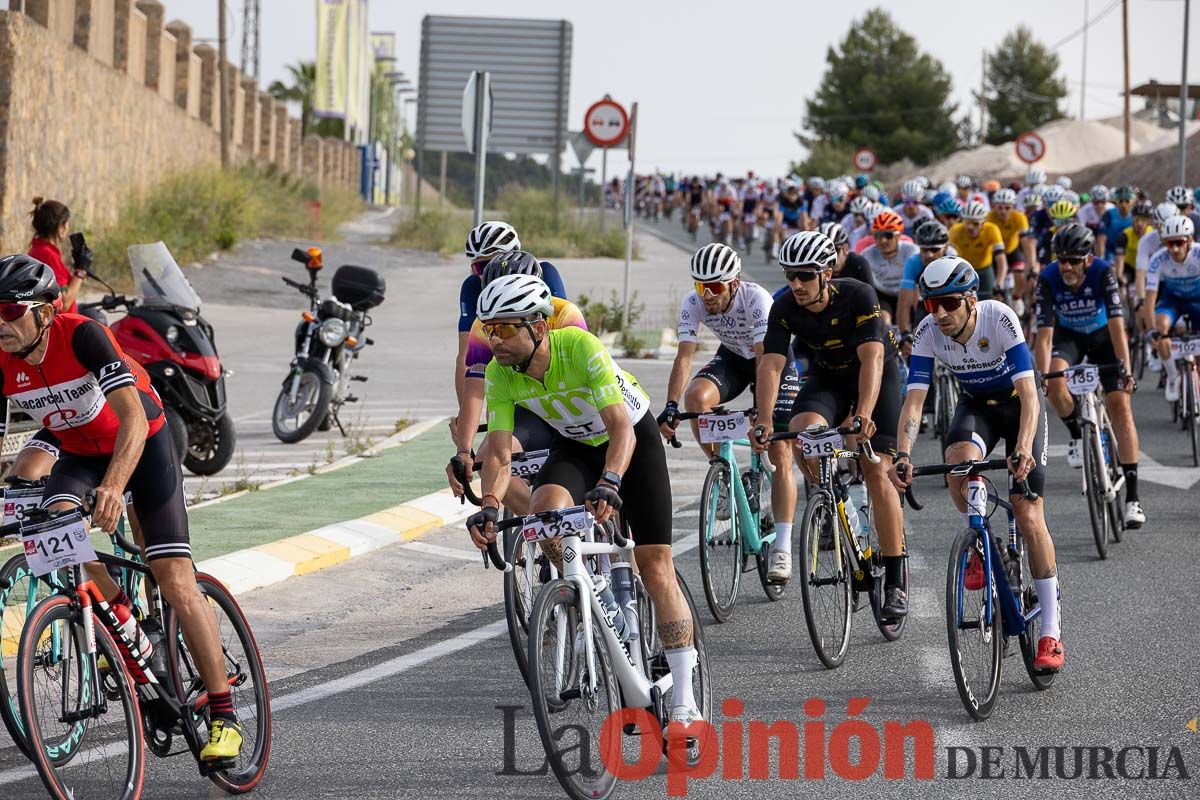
x=1061, y=212
x=1035, y=182
x=947, y=210
x=854, y=377
x=1124, y=245
x=607, y=451
x=835, y=208
x=1080, y=315
x=856, y=222
x=980, y=341
x=964, y=185
x=725, y=209
x=848, y=265
x=933, y=241
x=1091, y=212
x=1020, y=246
x=1185, y=202
x=1173, y=289
x=530, y=433
x=887, y=258
x=1113, y=223
x=790, y=216
x=736, y=312
x=981, y=244
x=909, y=208
x=68, y=371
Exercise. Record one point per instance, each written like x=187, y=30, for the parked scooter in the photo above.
x=328, y=340
x=164, y=332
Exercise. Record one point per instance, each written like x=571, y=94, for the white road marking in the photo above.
x=438, y=550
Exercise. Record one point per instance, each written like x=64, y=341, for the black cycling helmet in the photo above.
x=931, y=233
x=1143, y=208
x=515, y=262
x=1123, y=194
x=23, y=277
x=1074, y=240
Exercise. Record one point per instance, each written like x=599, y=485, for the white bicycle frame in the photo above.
x=1092, y=414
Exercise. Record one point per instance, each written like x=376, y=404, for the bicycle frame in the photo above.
x=857, y=555
x=1093, y=415
x=1014, y=620
x=747, y=522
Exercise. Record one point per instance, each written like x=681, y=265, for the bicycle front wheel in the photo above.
x=973, y=630
x=521, y=586
x=245, y=676
x=1093, y=466
x=570, y=703
x=825, y=580
x=720, y=542
x=1191, y=408
x=105, y=756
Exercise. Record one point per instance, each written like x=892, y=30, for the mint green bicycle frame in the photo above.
x=746, y=523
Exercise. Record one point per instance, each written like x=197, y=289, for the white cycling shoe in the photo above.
x=686, y=715
x=1172, y=389
x=1135, y=517
x=781, y=567
x=1075, y=454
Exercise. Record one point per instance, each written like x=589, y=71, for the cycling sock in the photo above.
x=1172, y=367
x=681, y=660
x=894, y=571
x=783, y=538
x=1047, y=592
x=1130, y=471
x=1072, y=426
x=220, y=706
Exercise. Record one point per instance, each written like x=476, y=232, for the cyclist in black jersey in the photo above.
x=848, y=265
x=854, y=378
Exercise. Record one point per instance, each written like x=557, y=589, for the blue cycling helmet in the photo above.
x=948, y=275
x=945, y=204
x=862, y=180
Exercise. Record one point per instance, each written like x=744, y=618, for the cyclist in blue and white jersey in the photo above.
x=1173, y=289
x=980, y=341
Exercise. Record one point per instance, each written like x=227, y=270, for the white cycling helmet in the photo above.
x=975, y=211
x=1053, y=193
x=491, y=238
x=1180, y=196
x=1163, y=212
x=1177, y=227
x=921, y=179
x=836, y=233
x=948, y=187
x=716, y=262
x=1034, y=176
x=518, y=296
x=859, y=205
x=816, y=183
x=965, y=181
x=839, y=192
x=912, y=190
x=1064, y=181
x=948, y=275
x=808, y=249
x=871, y=192
x=1033, y=200
x=874, y=210
x=1098, y=192
x=1006, y=197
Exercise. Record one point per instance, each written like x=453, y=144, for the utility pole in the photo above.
x=1125, y=48
x=251, y=39
x=223, y=84
x=1183, y=97
x=1083, y=72
x=982, y=97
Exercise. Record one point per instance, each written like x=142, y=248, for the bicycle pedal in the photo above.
x=362, y=378
x=350, y=399
x=216, y=765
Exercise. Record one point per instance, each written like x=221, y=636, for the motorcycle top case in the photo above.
x=361, y=288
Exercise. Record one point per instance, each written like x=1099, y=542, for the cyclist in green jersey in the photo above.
x=606, y=451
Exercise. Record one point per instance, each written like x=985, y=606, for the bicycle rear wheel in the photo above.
x=1115, y=508
x=973, y=633
x=891, y=629
x=1093, y=466
x=825, y=581
x=1191, y=407
x=521, y=586
x=247, y=683
x=1033, y=627
x=766, y=522
x=569, y=704
x=720, y=542
x=104, y=757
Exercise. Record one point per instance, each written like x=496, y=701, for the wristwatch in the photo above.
x=609, y=476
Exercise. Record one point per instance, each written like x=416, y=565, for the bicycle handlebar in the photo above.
x=963, y=469
x=752, y=413
x=1115, y=366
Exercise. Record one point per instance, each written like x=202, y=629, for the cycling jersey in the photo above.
x=479, y=347
x=888, y=272
x=739, y=328
x=1169, y=277
x=913, y=268
x=791, y=210
x=910, y=223
x=1126, y=245
x=1011, y=229
x=68, y=391
x=1083, y=310
x=1148, y=245
x=978, y=250
x=1089, y=216
x=580, y=381
x=1112, y=225
x=850, y=318
x=749, y=200
x=994, y=357
x=472, y=287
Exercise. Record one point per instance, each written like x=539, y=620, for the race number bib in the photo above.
x=977, y=497
x=18, y=502
x=1179, y=349
x=821, y=444
x=57, y=543
x=528, y=465
x=575, y=523
x=716, y=428
x=1083, y=379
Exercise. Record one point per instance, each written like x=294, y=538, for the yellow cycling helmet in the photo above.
x=1063, y=209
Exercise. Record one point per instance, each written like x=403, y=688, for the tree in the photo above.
x=879, y=90
x=1023, y=87
x=303, y=91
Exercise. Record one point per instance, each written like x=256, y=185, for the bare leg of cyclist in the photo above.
x=1120, y=410
x=518, y=497
x=32, y=464
x=956, y=454
x=885, y=504
x=176, y=578
x=701, y=395
x=809, y=467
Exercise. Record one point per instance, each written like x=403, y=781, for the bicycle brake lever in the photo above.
x=493, y=553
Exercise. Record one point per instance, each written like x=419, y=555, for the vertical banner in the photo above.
x=366, y=65
x=332, y=58
x=383, y=45
x=353, y=70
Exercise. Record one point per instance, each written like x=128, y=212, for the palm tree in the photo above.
x=303, y=90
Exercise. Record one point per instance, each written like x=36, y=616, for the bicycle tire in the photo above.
x=1114, y=508
x=720, y=592
x=891, y=630
x=521, y=586
x=184, y=678
x=1093, y=463
x=766, y=522
x=59, y=610
x=831, y=645
x=1191, y=411
x=1029, y=638
x=980, y=708
x=557, y=605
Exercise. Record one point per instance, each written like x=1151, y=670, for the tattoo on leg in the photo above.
x=676, y=633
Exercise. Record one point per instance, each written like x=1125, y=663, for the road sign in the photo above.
x=606, y=123
x=1030, y=147
x=582, y=145
x=865, y=159
x=468, y=111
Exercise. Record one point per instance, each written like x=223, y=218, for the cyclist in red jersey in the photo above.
x=68, y=371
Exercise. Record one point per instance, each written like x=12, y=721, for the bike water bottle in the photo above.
x=158, y=659
x=612, y=611
x=128, y=630
x=858, y=498
x=622, y=589
x=852, y=515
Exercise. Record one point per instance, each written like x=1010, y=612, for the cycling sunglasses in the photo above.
x=802, y=275
x=11, y=312
x=713, y=288
x=948, y=303
x=1072, y=261
x=502, y=330
x=1173, y=243
x=885, y=234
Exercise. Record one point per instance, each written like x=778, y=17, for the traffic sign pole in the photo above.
x=629, y=214
x=482, y=112
x=603, y=186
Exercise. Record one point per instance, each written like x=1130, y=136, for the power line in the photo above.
x=1113, y=6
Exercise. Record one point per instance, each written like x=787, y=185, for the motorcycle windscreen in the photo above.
x=159, y=279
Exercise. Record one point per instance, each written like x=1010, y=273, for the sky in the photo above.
x=722, y=85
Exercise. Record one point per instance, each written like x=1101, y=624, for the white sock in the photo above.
x=681, y=660
x=783, y=538
x=1047, y=592
x=1172, y=368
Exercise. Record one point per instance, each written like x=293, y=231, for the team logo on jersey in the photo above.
x=22, y=377
x=984, y=344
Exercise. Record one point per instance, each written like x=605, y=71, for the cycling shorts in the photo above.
x=833, y=395
x=1071, y=346
x=985, y=421
x=531, y=430
x=733, y=374
x=987, y=282
x=888, y=303
x=44, y=440
x=156, y=487
x=1175, y=307
x=645, y=487
x=1016, y=260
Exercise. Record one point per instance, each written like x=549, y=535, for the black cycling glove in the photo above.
x=669, y=414
x=606, y=493
x=482, y=517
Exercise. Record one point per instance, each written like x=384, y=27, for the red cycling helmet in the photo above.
x=887, y=220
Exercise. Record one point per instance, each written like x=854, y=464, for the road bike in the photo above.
x=980, y=620
x=736, y=523
x=945, y=401
x=582, y=670
x=1185, y=347
x=1103, y=478
x=838, y=564
x=83, y=707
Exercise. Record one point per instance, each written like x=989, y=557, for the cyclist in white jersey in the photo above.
x=736, y=312
x=980, y=341
x=1173, y=289
x=887, y=258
